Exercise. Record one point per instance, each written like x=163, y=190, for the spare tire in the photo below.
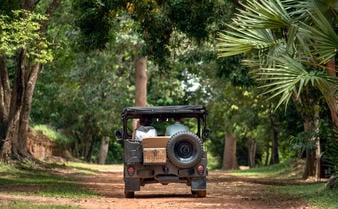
x=184, y=149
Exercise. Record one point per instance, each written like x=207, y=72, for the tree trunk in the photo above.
x=5, y=98
x=141, y=82
x=11, y=134
x=88, y=157
x=103, y=150
x=140, y=85
x=28, y=4
x=26, y=108
x=310, y=168
x=267, y=155
x=76, y=150
x=229, y=155
x=332, y=100
x=252, y=145
x=86, y=138
x=12, y=142
x=274, y=150
x=317, y=140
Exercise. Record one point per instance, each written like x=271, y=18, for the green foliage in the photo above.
x=165, y=88
x=91, y=96
x=155, y=21
x=30, y=39
x=94, y=20
x=191, y=18
x=300, y=141
x=231, y=68
x=214, y=162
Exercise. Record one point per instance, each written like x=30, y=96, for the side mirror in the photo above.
x=118, y=135
x=205, y=134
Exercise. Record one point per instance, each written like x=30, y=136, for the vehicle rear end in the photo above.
x=180, y=158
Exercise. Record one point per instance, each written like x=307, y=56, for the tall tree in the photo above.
x=295, y=42
x=229, y=156
x=28, y=50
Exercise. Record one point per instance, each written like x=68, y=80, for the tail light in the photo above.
x=131, y=170
x=200, y=169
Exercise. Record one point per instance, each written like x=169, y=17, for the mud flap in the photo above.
x=131, y=185
x=198, y=184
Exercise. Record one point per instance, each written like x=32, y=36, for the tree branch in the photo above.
x=50, y=10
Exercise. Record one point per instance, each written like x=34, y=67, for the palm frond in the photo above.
x=290, y=77
x=324, y=37
x=241, y=41
x=264, y=14
x=251, y=29
x=298, y=9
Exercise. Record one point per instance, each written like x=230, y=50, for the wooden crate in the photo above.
x=154, y=155
x=155, y=142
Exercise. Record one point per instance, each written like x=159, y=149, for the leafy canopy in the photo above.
x=21, y=31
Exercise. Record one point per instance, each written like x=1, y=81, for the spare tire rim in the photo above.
x=184, y=150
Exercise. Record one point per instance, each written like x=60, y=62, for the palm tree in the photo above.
x=292, y=46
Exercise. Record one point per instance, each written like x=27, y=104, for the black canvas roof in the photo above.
x=165, y=111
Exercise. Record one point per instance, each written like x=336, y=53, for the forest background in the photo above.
x=74, y=65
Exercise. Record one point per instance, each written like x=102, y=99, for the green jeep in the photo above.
x=164, y=159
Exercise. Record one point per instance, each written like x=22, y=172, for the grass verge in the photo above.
x=272, y=171
x=313, y=193
x=19, y=204
x=40, y=182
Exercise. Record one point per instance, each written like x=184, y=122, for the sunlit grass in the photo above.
x=19, y=204
x=92, y=168
x=6, y=170
x=266, y=171
x=45, y=183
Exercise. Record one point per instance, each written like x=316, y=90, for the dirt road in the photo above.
x=224, y=191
